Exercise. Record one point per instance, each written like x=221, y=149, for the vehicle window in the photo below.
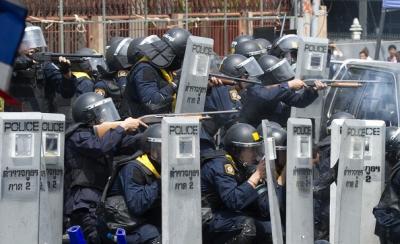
x=372, y=100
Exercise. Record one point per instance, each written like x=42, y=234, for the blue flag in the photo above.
x=12, y=25
x=391, y=4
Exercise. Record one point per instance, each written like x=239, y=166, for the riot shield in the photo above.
x=360, y=181
x=336, y=131
x=181, y=196
x=20, y=138
x=299, y=193
x=194, y=78
x=52, y=178
x=312, y=60
x=270, y=156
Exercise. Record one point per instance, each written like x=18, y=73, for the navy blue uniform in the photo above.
x=261, y=102
x=233, y=201
x=221, y=98
x=36, y=87
x=148, y=91
x=141, y=189
x=88, y=161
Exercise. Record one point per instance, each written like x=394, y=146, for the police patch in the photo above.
x=234, y=95
x=122, y=73
x=229, y=169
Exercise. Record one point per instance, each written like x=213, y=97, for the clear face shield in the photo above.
x=155, y=149
x=33, y=38
x=251, y=67
x=104, y=111
x=282, y=71
x=249, y=153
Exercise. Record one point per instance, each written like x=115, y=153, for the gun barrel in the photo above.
x=233, y=79
x=71, y=55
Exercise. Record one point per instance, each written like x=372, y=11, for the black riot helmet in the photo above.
x=117, y=54
x=230, y=63
x=177, y=38
x=277, y=132
x=244, y=144
x=286, y=47
x=392, y=141
x=263, y=43
x=90, y=64
x=92, y=108
x=240, y=39
x=337, y=115
x=275, y=70
x=151, y=142
x=249, y=49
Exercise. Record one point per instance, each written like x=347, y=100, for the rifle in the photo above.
x=229, y=80
x=101, y=129
x=53, y=57
x=343, y=83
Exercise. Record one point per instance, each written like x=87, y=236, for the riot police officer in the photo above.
x=286, y=47
x=112, y=82
x=386, y=212
x=139, y=183
x=151, y=88
x=279, y=86
x=34, y=83
x=88, y=158
x=233, y=187
x=325, y=177
x=226, y=97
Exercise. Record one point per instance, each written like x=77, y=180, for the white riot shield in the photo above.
x=52, y=178
x=20, y=138
x=360, y=181
x=336, y=131
x=194, y=78
x=270, y=156
x=181, y=196
x=311, y=63
x=299, y=193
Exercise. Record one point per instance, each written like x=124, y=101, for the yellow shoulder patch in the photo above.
x=229, y=169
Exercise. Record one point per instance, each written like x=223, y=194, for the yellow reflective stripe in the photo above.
x=144, y=160
x=81, y=74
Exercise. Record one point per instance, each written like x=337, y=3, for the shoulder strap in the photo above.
x=116, y=168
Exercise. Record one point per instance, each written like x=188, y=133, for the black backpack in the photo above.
x=387, y=212
x=112, y=211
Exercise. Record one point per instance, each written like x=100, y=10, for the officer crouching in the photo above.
x=136, y=195
x=88, y=158
x=234, y=190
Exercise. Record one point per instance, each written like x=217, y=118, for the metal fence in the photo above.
x=71, y=24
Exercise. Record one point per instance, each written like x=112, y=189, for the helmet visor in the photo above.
x=155, y=149
x=251, y=67
x=282, y=71
x=33, y=38
x=104, y=111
